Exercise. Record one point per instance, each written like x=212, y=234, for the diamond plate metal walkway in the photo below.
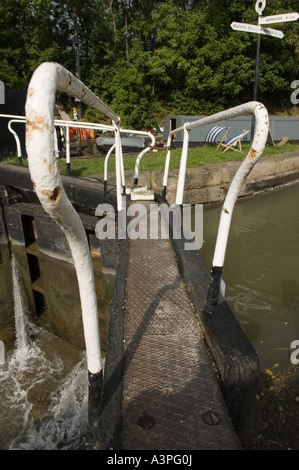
x=171, y=399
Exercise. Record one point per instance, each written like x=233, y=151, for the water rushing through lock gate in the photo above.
x=43, y=387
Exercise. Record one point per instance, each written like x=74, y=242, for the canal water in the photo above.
x=261, y=270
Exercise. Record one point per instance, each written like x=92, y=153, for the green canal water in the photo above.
x=261, y=270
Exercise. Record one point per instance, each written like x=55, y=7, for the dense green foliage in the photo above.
x=149, y=58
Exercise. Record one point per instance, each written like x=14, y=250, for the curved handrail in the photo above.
x=255, y=152
x=140, y=155
x=46, y=80
x=77, y=125
x=112, y=148
x=258, y=143
x=87, y=125
x=17, y=140
x=62, y=122
x=247, y=108
x=15, y=118
x=57, y=122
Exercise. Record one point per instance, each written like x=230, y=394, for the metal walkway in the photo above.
x=171, y=399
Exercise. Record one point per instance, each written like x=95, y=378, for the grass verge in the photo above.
x=197, y=156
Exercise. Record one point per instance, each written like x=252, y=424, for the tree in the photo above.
x=27, y=37
x=149, y=58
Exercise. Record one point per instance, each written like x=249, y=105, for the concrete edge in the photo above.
x=209, y=183
x=235, y=358
x=110, y=419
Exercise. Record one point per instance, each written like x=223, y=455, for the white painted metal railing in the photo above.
x=46, y=80
x=15, y=119
x=17, y=140
x=138, y=159
x=57, y=123
x=258, y=144
x=78, y=125
x=85, y=125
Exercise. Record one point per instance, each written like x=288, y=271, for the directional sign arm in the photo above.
x=278, y=18
x=272, y=32
x=252, y=28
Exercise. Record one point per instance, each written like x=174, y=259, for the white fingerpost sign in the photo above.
x=252, y=28
x=260, y=6
x=259, y=30
x=278, y=18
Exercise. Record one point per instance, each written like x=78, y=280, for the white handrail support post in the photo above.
x=258, y=143
x=143, y=152
x=106, y=169
x=17, y=140
x=183, y=165
x=256, y=150
x=46, y=80
x=67, y=149
x=56, y=151
x=167, y=161
x=119, y=166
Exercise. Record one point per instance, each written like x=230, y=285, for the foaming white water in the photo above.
x=42, y=407
x=20, y=310
x=67, y=418
x=43, y=400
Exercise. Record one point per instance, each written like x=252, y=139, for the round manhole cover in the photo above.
x=146, y=421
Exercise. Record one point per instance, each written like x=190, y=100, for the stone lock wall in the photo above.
x=210, y=183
